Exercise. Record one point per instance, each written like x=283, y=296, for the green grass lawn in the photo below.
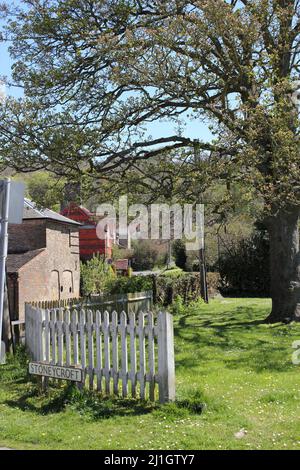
x=226, y=358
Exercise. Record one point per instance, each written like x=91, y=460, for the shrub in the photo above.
x=145, y=256
x=125, y=285
x=245, y=268
x=178, y=306
x=96, y=276
x=179, y=252
x=194, y=306
x=168, y=288
x=213, y=283
x=186, y=285
x=181, y=289
x=173, y=272
x=162, y=260
x=121, y=253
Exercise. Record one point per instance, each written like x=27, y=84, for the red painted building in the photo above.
x=89, y=242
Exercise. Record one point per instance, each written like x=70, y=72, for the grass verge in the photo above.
x=236, y=386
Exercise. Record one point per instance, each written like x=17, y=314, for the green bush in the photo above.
x=145, y=256
x=178, y=306
x=96, y=276
x=173, y=272
x=179, y=252
x=182, y=288
x=186, y=285
x=245, y=268
x=213, y=283
x=126, y=285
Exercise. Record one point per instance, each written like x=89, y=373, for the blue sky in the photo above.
x=5, y=69
x=5, y=60
x=193, y=129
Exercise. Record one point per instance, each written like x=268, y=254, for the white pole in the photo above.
x=166, y=358
x=3, y=255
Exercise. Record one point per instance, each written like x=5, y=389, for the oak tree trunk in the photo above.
x=285, y=266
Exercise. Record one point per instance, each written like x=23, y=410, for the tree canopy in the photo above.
x=96, y=73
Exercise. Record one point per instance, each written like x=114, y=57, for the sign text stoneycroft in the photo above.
x=56, y=372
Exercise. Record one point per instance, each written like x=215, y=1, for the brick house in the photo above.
x=89, y=242
x=43, y=259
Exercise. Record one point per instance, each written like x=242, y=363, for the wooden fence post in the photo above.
x=82, y=329
x=41, y=343
x=40, y=353
x=28, y=331
x=166, y=359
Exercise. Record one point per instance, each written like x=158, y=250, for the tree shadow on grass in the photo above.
x=227, y=318
x=92, y=404
x=96, y=407
x=10, y=374
x=262, y=359
x=228, y=333
x=23, y=402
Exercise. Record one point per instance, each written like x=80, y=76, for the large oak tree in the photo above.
x=95, y=73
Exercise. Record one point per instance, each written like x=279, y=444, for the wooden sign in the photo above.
x=122, y=264
x=43, y=369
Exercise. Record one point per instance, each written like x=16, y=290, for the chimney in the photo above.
x=72, y=193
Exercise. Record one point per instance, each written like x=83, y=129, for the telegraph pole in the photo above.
x=203, y=275
x=202, y=261
x=5, y=191
x=11, y=211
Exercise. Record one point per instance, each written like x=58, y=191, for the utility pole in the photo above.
x=169, y=254
x=202, y=261
x=203, y=276
x=5, y=191
x=11, y=211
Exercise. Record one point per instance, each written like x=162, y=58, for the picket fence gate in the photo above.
x=114, y=350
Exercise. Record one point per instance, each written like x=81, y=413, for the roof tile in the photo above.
x=32, y=211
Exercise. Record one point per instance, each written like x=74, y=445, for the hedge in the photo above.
x=186, y=286
x=166, y=289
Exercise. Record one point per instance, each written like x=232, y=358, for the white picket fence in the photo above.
x=119, y=353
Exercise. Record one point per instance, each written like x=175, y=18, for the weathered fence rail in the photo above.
x=119, y=353
x=133, y=302
x=129, y=303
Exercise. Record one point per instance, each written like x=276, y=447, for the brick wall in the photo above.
x=33, y=282
x=53, y=274
x=31, y=235
x=63, y=256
